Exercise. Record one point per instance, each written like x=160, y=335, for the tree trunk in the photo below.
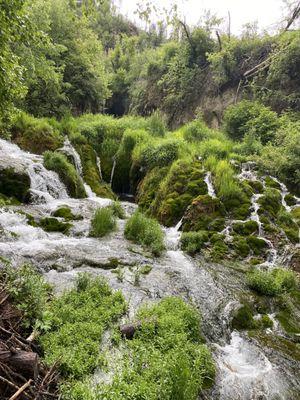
x=25, y=362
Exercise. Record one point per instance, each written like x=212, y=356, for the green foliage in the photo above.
x=77, y=321
x=145, y=231
x=273, y=282
x=165, y=359
x=118, y=210
x=103, y=222
x=270, y=202
x=245, y=228
x=28, y=291
x=247, y=116
x=67, y=173
x=35, y=135
x=257, y=245
x=243, y=318
x=66, y=214
x=156, y=124
x=193, y=242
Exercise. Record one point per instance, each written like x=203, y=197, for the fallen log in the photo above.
x=25, y=362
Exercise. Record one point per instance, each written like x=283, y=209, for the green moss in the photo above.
x=289, y=322
x=54, y=225
x=243, y=319
x=67, y=173
x=35, y=134
x=145, y=269
x=219, y=250
x=240, y=246
x=296, y=214
x=266, y=321
x=203, y=211
x=270, y=182
x=193, y=242
x=66, y=213
x=8, y=201
x=273, y=282
x=290, y=199
x=90, y=170
x=257, y=186
x=14, y=184
x=118, y=210
x=245, y=228
x=184, y=182
x=257, y=245
x=256, y=260
x=270, y=202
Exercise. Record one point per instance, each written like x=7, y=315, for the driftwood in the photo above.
x=21, y=390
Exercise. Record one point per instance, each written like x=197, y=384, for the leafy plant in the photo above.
x=103, y=222
x=273, y=282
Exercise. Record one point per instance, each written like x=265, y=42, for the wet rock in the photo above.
x=14, y=183
x=295, y=261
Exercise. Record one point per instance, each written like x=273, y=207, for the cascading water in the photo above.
x=210, y=187
x=245, y=370
x=45, y=184
x=98, y=162
x=113, y=170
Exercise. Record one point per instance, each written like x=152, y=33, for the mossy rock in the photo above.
x=183, y=183
x=14, y=184
x=289, y=321
x=201, y=213
x=295, y=261
x=257, y=245
x=270, y=182
x=243, y=319
x=8, y=201
x=245, y=228
x=256, y=260
x=90, y=171
x=270, y=202
x=290, y=199
x=257, y=186
x=241, y=247
x=266, y=322
x=219, y=249
x=54, y=225
x=296, y=214
x=217, y=225
x=66, y=213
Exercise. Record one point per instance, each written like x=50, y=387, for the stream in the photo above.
x=245, y=369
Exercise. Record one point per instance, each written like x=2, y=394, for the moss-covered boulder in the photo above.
x=270, y=202
x=67, y=173
x=243, y=318
x=54, y=225
x=66, y=214
x=272, y=183
x=183, y=183
x=257, y=245
x=290, y=199
x=201, y=214
x=256, y=186
x=245, y=228
x=240, y=246
x=14, y=184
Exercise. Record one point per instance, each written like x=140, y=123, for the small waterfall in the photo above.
x=98, y=162
x=113, y=170
x=254, y=214
x=45, y=184
x=173, y=235
x=69, y=150
x=247, y=171
x=210, y=187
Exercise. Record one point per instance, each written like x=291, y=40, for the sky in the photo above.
x=266, y=12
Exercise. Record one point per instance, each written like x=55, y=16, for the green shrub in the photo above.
x=248, y=116
x=145, y=231
x=28, y=291
x=273, y=282
x=118, y=210
x=77, y=321
x=67, y=173
x=270, y=202
x=156, y=124
x=103, y=222
x=241, y=246
x=195, y=131
x=193, y=242
x=245, y=228
x=166, y=359
x=256, y=244
x=35, y=134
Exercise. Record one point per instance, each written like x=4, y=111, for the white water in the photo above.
x=244, y=371
x=45, y=184
x=98, y=162
x=210, y=187
x=113, y=170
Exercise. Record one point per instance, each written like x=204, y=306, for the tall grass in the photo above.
x=145, y=231
x=103, y=222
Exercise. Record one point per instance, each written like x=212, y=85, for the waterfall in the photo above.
x=98, y=162
x=45, y=185
x=210, y=187
x=113, y=170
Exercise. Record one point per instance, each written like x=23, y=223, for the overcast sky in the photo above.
x=265, y=12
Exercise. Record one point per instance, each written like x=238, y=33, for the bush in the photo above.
x=273, y=282
x=145, y=231
x=156, y=124
x=28, y=291
x=77, y=321
x=193, y=242
x=118, y=210
x=35, y=135
x=66, y=172
x=195, y=131
x=248, y=116
x=103, y=222
x=165, y=359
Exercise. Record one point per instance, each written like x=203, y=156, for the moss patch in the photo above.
x=14, y=184
x=54, y=225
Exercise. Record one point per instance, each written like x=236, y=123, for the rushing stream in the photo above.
x=245, y=369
